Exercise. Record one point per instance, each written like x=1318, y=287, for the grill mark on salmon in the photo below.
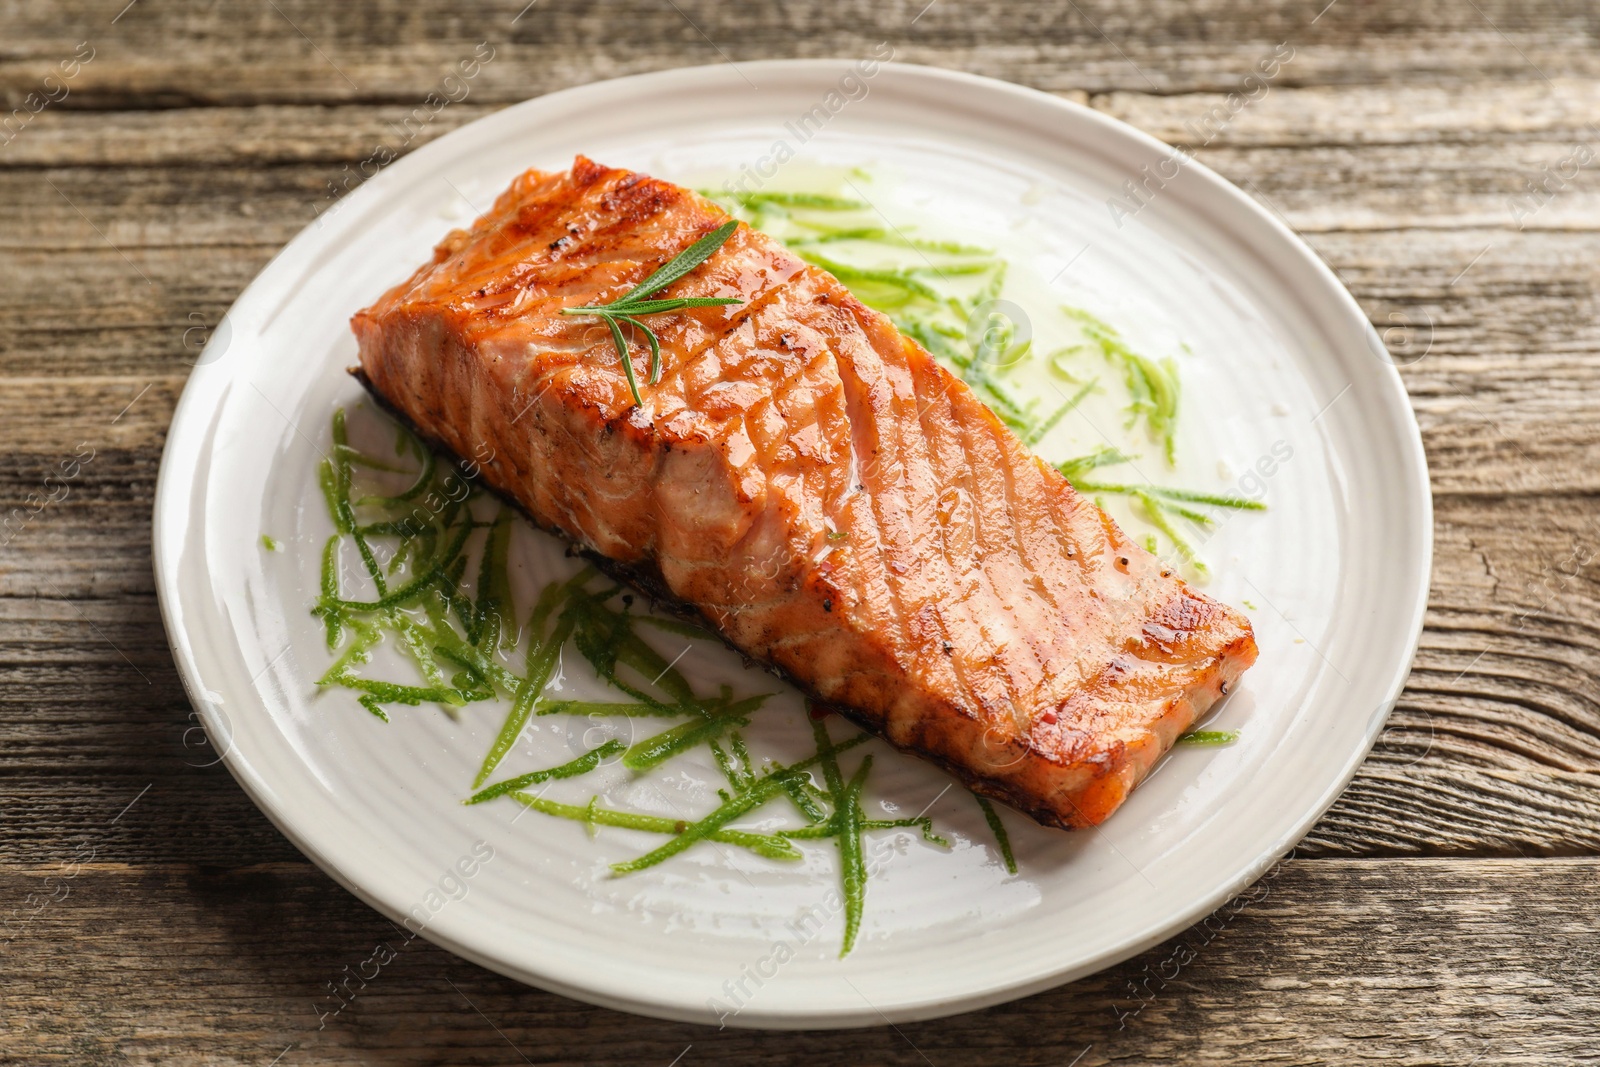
x=978, y=612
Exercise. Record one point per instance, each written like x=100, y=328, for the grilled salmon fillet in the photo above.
x=810, y=483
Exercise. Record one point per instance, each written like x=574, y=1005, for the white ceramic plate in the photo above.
x=1337, y=572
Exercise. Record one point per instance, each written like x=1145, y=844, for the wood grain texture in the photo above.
x=236, y=965
x=1442, y=912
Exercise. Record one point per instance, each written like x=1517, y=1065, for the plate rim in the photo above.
x=174, y=500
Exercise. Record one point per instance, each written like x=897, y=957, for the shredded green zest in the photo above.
x=707, y=826
x=1159, y=505
x=998, y=828
x=848, y=818
x=592, y=814
x=582, y=765
x=1078, y=466
x=543, y=653
x=1219, y=500
x=1037, y=433
x=1152, y=385
x=663, y=746
x=632, y=709
x=1208, y=737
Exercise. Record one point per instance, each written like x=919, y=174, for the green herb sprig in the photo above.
x=636, y=303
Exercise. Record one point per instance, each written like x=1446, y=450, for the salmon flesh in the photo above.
x=809, y=483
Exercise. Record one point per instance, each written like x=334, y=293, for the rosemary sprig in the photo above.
x=635, y=303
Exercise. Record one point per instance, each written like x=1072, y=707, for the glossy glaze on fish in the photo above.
x=810, y=483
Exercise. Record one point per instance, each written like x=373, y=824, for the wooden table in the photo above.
x=1444, y=912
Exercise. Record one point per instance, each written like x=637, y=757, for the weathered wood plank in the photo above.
x=1421, y=962
x=1316, y=188
x=1476, y=144
x=227, y=137
x=162, y=55
x=1281, y=114
x=1286, y=113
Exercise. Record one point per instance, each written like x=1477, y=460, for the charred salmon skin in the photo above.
x=810, y=483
